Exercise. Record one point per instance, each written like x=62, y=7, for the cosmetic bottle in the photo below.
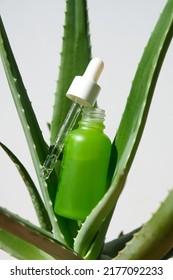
x=84, y=167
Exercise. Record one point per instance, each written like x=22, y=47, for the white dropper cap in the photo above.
x=84, y=89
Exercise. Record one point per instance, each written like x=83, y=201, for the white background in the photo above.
x=119, y=32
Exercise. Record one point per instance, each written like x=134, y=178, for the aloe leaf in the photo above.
x=35, y=196
x=76, y=53
x=168, y=255
x=112, y=248
x=34, y=235
x=94, y=250
x=155, y=238
x=19, y=93
x=138, y=104
x=93, y=223
x=36, y=143
x=21, y=249
x=132, y=125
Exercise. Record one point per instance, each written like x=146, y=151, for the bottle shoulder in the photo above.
x=81, y=143
x=82, y=134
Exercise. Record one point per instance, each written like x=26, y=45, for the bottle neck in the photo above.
x=92, y=118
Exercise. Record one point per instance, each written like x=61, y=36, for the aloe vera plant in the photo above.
x=58, y=237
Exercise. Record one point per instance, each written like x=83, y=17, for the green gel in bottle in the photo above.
x=84, y=167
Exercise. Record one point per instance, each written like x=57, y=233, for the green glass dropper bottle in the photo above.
x=84, y=167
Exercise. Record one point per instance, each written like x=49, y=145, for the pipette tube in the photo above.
x=58, y=146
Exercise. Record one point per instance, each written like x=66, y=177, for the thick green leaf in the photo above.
x=20, y=249
x=94, y=251
x=96, y=219
x=36, y=143
x=138, y=104
x=37, y=237
x=76, y=54
x=35, y=196
x=21, y=99
x=155, y=238
x=112, y=248
x=131, y=126
x=168, y=255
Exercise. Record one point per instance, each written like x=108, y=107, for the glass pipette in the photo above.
x=83, y=92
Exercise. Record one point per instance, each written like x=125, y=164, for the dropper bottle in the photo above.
x=83, y=92
x=84, y=167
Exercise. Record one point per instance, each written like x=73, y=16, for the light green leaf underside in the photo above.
x=35, y=236
x=131, y=126
x=20, y=249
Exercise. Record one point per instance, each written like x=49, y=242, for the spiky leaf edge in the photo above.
x=34, y=235
x=34, y=194
x=155, y=239
x=36, y=143
x=131, y=127
x=75, y=56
